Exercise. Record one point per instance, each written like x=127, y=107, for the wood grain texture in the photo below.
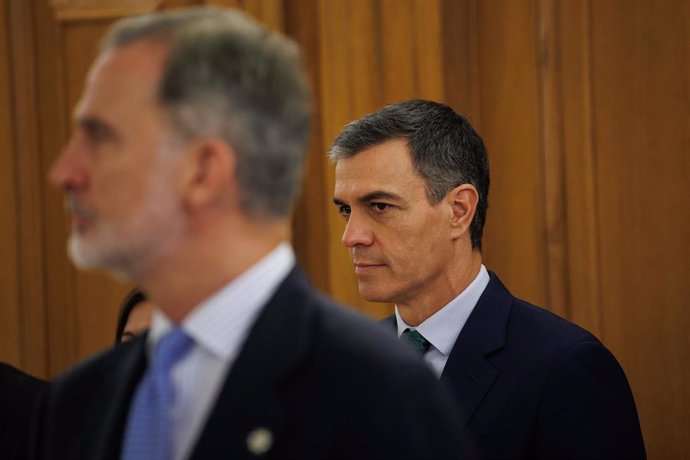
x=460, y=61
x=584, y=263
x=29, y=185
x=551, y=99
x=337, y=109
x=641, y=118
x=54, y=121
x=510, y=120
x=83, y=10
x=309, y=228
x=10, y=318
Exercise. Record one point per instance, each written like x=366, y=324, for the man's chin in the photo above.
x=85, y=257
x=373, y=293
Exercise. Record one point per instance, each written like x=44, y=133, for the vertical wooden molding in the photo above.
x=10, y=322
x=309, y=225
x=30, y=186
x=398, y=53
x=80, y=10
x=270, y=12
x=342, y=62
x=336, y=107
x=61, y=306
x=456, y=55
x=584, y=263
x=428, y=45
x=475, y=89
x=552, y=150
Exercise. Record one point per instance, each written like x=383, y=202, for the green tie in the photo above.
x=416, y=340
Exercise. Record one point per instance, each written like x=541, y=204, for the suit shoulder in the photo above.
x=95, y=369
x=547, y=327
x=363, y=345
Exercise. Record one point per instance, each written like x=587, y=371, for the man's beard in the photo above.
x=131, y=247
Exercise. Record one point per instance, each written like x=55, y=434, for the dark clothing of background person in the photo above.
x=18, y=395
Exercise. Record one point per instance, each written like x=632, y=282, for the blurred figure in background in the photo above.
x=18, y=395
x=136, y=314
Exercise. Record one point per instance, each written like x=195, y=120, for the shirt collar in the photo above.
x=222, y=321
x=443, y=327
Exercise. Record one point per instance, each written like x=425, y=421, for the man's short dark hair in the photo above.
x=446, y=151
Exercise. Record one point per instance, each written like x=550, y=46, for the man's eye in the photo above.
x=97, y=132
x=379, y=206
x=344, y=210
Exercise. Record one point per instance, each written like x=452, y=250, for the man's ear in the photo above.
x=463, y=201
x=209, y=175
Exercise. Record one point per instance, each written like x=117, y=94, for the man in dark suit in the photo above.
x=18, y=395
x=180, y=176
x=412, y=182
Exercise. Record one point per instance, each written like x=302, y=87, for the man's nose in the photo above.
x=357, y=232
x=66, y=173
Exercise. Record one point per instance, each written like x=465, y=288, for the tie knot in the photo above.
x=416, y=340
x=170, y=349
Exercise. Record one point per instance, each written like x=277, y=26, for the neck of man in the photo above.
x=208, y=258
x=429, y=300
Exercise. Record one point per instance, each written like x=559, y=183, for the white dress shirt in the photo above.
x=443, y=327
x=218, y=327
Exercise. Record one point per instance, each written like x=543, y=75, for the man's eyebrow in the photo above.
x=371, y=196
x=379, y=195
x=90, y=123
x=95, y=126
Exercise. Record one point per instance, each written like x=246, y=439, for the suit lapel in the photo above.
x=248, y=403
x=468, y=372
x=123, y=381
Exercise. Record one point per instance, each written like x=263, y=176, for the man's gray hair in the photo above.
x=226, y=76
x=445, y=149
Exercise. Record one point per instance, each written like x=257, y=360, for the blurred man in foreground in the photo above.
x=412, y=182
x=181, y=173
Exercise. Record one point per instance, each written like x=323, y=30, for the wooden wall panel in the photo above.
x=460, y=62
x=10, y=317
x=29, y=184
x=510, y=121
x=641, y=82
x=583, y=265
x=552, y=151
x=54, y=126
x=83, y=10
x=344, y=61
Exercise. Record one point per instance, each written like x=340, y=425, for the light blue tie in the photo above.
x=149, y=427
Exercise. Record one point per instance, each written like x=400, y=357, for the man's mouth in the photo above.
x=80, y=214
x=367, y=267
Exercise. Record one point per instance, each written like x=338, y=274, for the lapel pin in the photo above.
x=259, y=441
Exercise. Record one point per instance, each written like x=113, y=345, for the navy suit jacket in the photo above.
x=326, y=383
x=532, y=385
